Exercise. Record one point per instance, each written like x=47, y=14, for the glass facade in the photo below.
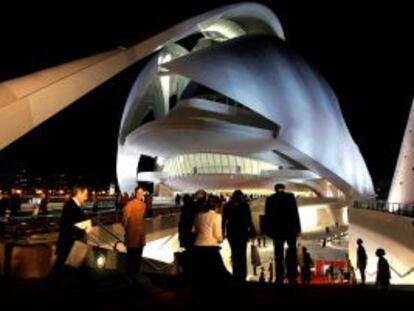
x=213, y=163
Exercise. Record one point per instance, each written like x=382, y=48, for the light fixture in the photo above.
x=100, y=261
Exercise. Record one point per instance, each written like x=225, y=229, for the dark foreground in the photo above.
x=111, y=291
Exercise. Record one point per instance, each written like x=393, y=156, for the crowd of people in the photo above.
x=205, y=222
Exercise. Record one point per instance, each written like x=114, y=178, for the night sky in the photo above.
x=364, y=51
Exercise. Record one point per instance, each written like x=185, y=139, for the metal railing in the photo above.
x=401, y=275
x=23, y=226
x=406, y=210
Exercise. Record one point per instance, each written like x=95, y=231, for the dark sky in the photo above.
x=364, y=51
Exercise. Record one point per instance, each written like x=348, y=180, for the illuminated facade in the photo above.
x=224, y=103
x=403, y=181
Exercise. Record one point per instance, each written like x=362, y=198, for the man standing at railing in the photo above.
x=133, y=222
x=362, y=259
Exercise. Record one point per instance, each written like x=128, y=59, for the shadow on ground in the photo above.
x=106, y=290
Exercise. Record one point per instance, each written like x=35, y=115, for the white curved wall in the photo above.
x=403, y=182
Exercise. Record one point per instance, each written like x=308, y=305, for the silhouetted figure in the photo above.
x=306, y=267
x=347, y=270
x=118, y=202
x=43, y=203
x=262, y=275
x=330, y=274
x=270, y=269
x=323, y=242
x=383, y=270
x=238, y=228
x=282, y=224
x=186, y=236
x=261, y=240
x=134, y=225
x=362, y=260
x=177, y=199
x=255, y=257
x=190, y=209
x=15, y=201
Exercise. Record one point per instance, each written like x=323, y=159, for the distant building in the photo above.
x=21, y=180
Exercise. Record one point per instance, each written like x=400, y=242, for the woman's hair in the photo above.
x=213, y=203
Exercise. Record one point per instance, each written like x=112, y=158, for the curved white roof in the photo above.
x=259, y=71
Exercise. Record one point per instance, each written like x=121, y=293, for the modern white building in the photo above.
x=224, y=103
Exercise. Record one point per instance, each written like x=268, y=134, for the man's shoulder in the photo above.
x=70, y=204
x=271, y=197
x=134, y=204
x=290, y=194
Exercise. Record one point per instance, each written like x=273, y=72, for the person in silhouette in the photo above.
x=306, y=267
x=43, y=203
x=15, y=201
x=270, y=270
x=362, y=259
x=383, y=270
x=282, y=224
x=188, y=213
x=185, y=235
x=177, y=199
x=262, y=275
x=238, y=228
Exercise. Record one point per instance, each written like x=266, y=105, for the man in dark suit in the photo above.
x=71, y=214
x=68, y=232
x=282, y=224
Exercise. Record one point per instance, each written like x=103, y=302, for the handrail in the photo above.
x=118, y=239
x=401, y=275
x=400, y=209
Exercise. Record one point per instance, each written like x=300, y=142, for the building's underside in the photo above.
x=227, y=105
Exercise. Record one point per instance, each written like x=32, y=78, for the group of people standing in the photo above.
x=202, y=228
x=383, y=268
